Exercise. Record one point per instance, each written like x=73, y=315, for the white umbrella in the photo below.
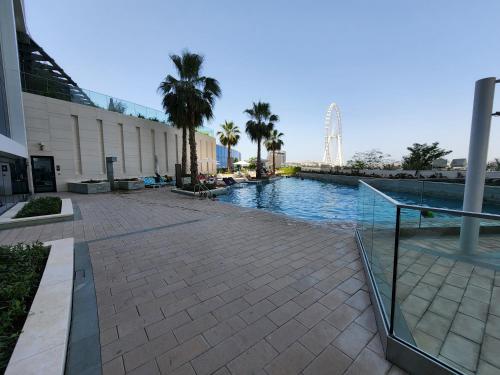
x=242, y=163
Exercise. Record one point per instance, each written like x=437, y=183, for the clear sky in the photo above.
x=401, y=71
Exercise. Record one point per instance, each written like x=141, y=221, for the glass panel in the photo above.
x=448, y=289
x=65, y=91
x=376, y=226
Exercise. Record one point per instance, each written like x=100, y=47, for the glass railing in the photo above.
x=65, y=91
x=436, y=275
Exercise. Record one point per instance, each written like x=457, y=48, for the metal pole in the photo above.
x=395, y=271
x=476, y=170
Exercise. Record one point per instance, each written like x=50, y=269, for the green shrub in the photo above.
x=21, y=268
x=41, y=206
x=289, y=171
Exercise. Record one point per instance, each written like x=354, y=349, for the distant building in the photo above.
x=221, y=155
x=280, y=158
x=440, y=163
x=459, y=164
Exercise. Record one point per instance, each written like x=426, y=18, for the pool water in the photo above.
x=320, y=201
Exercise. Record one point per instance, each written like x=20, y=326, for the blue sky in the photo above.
x=401, y=71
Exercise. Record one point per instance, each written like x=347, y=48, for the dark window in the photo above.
x=4, y=118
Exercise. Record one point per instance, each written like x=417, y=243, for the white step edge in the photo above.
x=7, y=219
x=41, y=347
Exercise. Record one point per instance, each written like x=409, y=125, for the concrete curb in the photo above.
x=41, y=347
x=7, y=219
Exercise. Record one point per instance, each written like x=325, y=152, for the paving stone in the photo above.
x=368, y=363
x=351, y=285
x=342, y=316
x=230, y=309
x=415, y=305
x=284, y=313
x=181, y=354
x=425, y=291
x=468, y=327
x=286, y=335
x=148, y=351
x=123, y=345
x=353, y=340
x=291, y=361
x=461, y=351
x=334, y=299
x=434, y=325
x=194, y=328
x=166, y=325
x=259, y=294
x=493, y=326
x=281, y=282
x=330, y=362
x=260, y=281
x=255, y=312
x=307, y=298
x=253, y=360
x=319, y=337
x=360, y=300
x=451, y=292
x=150, y=368
x=490, y=350
x=478, y=294
x=205, y=307
x=426, y=342
x=113, y=367
x=283, y=296
x=313, y=314
x=444, y=307
x=367, y=320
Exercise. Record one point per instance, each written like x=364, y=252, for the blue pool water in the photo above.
x=320, y=201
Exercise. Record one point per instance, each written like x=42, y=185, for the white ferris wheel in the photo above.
x=333, y=130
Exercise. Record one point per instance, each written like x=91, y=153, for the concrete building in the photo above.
x=54, y=132
x=280, y=159
x=13, y=150
x=222, y=155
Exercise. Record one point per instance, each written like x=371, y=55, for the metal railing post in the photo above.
x=395, y=270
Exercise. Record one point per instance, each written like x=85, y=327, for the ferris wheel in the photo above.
x=333, y=130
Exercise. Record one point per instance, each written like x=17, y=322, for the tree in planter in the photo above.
x=274, y=143
x=116, y=106
x=196, y=96
x=373, y=159
x=259, y=127
x=422, y=155
x=229, y=136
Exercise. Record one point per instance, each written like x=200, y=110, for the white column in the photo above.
x=476, y=169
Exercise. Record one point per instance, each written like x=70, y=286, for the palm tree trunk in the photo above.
x=274, y=162
x=258, y=174
x=229, y=158
x=193, y=155
x=184, y=151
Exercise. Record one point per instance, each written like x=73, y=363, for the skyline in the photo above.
x=426, y=58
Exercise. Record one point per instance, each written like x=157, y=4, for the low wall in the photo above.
x=433, y=189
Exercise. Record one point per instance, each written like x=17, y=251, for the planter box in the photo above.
x=41, y=348
x=7, y=220
x=89, y=188
x=129, y=185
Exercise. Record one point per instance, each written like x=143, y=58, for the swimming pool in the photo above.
x=319, y=201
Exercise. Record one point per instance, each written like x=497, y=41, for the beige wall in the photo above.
x=70, y=133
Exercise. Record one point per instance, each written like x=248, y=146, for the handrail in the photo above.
x=480, y=215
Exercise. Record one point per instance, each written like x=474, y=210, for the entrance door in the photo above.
x=44, y=177
x=5, y=180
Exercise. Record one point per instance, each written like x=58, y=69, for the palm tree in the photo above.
x=195, y=98
x=259, y=127
x=229, y=136
x=273, y=143
x=176, y=111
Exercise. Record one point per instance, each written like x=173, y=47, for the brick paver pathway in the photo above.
x=198, y=287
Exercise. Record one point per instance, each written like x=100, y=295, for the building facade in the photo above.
x=53, y=132
x=13, y=151
x=280, y=159
x=222, y=156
